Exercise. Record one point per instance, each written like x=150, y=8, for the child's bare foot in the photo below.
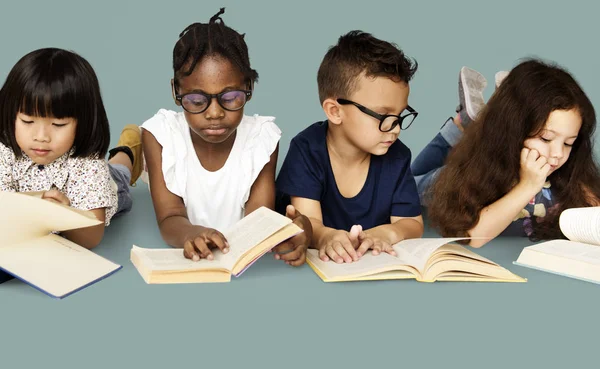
x=470, y=93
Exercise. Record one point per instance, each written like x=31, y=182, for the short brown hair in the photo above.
x=357, y=52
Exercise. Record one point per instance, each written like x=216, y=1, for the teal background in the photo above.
x=276, y=316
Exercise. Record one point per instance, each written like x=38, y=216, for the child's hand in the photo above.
x=368, y=241
x=293, y=251
x=340, y=246
x=56, y=196
x=534, y=169
x=201, y=240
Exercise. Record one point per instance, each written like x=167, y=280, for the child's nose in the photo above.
x=41, y=134
x=214, y=110
x=557, y=152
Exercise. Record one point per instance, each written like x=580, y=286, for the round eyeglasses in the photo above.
x=387, y=122
x=198, y=102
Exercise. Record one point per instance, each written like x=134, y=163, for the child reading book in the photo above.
x=350, y=174
x=521, y=161
x=210, y=165
x=54, y=136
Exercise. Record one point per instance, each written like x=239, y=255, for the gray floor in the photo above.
x=278, y=316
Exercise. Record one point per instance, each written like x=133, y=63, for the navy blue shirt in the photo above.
x=390, y=189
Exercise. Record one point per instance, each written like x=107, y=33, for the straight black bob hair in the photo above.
x=56, y=83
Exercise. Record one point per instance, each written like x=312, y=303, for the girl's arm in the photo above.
x=89, y=237
x=262, y=192
x=171, y=215
x=496, y=217
x=293, y=251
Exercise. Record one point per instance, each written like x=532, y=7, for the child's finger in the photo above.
x=524, y=154
x=331, y=251
x=350, y=247
x=217, y=239
x=301, y=260
x=292, y=255
x=291, y=212
x=203, y=248
x=345, y=249
x=189, y=251
x=354, y=232
x=284, y=247
x=541, y=160
x=533, y=155
x=387, y=248
x=366, y=244
x=377, y=247
x=323, y=254
x=546, y=168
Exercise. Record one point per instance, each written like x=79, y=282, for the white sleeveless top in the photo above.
x=213, y=199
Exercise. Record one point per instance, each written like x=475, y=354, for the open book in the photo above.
x=31, y=252
x=578, y=257
x=423, y=259
x=248, y=239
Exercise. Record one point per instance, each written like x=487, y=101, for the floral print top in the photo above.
x=85, y=181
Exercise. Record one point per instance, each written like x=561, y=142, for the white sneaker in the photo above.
x=471, y=85
x=500, y=77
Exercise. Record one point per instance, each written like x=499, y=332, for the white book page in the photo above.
x=365, y=266
x=581, y=224
x=570, y=250
x=24, y=217
x=242, y=236
x=250, y=231
x=54, y=264
x=418, y=250
x=173, y=260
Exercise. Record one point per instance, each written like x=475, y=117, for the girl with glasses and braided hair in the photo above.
x=210, y=165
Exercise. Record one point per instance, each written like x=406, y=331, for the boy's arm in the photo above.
x=312, y=209
x=340, y=244
x=400, y=228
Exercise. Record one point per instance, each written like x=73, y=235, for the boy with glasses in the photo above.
x=350, y=174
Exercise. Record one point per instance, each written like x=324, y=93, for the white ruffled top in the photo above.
x=213, y=199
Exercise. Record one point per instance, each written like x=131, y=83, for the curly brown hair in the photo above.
x=485, y=164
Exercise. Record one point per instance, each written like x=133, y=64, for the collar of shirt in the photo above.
x=56, y=171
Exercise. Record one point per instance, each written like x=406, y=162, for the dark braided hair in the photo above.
x=200, y=40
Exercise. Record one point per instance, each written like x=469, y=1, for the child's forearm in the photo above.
x=175, y=229
x=88, y=237
x=497, y=217
x=399, y=230
x=319, y=231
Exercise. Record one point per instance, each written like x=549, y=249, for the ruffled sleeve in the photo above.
x=169, y=129
x=262, y=138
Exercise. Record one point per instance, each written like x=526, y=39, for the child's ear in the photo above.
x=251, y=88
x=333, y=111
x=173, y=92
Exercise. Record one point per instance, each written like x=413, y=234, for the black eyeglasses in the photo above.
x=198, y=102
x=389, y=121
